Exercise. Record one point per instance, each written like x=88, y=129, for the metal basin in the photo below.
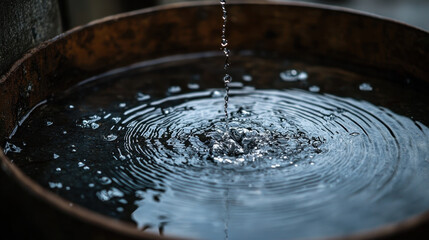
x=308, y=32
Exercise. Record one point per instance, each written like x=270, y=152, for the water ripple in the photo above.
x=291, y=157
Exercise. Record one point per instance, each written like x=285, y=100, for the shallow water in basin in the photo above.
x=311, y=151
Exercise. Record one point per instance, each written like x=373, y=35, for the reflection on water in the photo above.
x=317, y=156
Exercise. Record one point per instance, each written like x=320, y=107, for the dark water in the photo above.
x=312, y=151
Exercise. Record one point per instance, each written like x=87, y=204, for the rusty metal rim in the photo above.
x=128, y=229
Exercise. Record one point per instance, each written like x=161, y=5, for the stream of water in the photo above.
x=224, y=47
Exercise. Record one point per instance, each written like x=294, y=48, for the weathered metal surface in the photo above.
x=299, y=31
x=23, y=25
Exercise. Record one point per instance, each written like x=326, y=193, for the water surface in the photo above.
x=311, y=150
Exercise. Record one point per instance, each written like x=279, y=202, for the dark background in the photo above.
x=413, y=12
x=26, y=23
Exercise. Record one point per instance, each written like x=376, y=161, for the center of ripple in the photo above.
x=189, y=132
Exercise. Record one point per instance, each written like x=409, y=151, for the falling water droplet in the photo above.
x=227, y=78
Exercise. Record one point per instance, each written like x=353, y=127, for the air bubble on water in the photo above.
x=314, y=88
x=354, y=134
x=316, y=143
x=293, y=75
x=247, y=78
x=193, y=86
x=91, y=185
x=174, y=89
x=106, y=195
x=123, y=201
x=86, y=168
x=366, y=87
x=105, y=180
x=120, y=209
x=224, y=42
x=167, y=110
x=216, y=94
x=142, y=97
x=55, y=185
x=67, y=188
x=80, y=164
x=244, y=112
x=122, y=105
x=55, y=156
x=49, y=123
x=58, y=169
x=90, y=122
x=70, y=106
x=110, y=137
